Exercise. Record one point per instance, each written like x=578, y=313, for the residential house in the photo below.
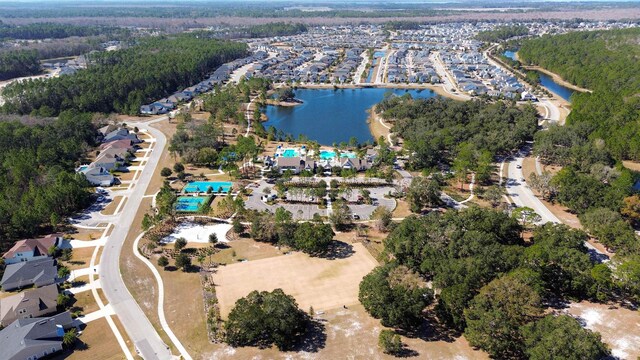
x=121, y=134
x=31, y=249
x=29, y=304
x=98, y=176
x=356, y=164
x=30, y=339
x=38, y=272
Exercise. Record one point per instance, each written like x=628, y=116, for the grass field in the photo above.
x=318, y=282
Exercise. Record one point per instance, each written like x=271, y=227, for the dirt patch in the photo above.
x=86, y=302
x=619, y=327
x=321, y=283
x=87, y=235
x=80, y=258
x=402, y=209
x=98, y=343
x=631, y=165
x=112, y=206
x=245, y=248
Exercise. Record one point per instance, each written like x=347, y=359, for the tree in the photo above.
x=423, y=192
x=390, y=342
x=69, y=338
x=178, y=167
x=340, y=216
x=237, y=226
x=395, y=295
x=183, y=261
x=163, y=262
x=610, y=229
x=494, y=195
x=213, y=239
x=526, y=215
x=382, y=217
x=165, y=172
x=496, y=314
x=180, y=244
x=285, y=94
x=562, y=337
x=266, y=318
x=63, y=300
x=312, y=238
x=63, y=272
x=631, y=209
x=627, y=276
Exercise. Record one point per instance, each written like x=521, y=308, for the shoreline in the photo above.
x=376, y=129
x=437, y=89
x=557, y=78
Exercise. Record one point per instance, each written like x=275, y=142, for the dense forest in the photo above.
x=38, y=184
x=502, y=33
x=123, y=80
x=491, y=284
x=602, y=129
x=18, y=63
x=37, y=31
x=440, y=129
x=275, y=29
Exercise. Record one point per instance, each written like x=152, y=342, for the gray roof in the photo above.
x=33, y=332
x=39, y=270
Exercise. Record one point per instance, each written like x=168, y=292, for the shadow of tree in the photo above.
x=431, y=329
x=338, y=250
x=314, y=339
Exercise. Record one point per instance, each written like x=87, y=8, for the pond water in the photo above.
x=546, y=80
x=332, y=116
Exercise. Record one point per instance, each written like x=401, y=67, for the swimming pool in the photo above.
x=290, y=153
x=328, y=155
x=203, y=186
x=190, y=203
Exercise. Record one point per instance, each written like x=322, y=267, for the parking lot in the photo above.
x=306, y=211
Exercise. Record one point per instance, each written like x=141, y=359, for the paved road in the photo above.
x=135, y=322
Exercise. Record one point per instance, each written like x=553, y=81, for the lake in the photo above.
x=332, y=116
x=546, y=80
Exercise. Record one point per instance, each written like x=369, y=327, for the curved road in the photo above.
x=147, y=341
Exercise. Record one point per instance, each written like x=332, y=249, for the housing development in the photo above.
x=360, y=180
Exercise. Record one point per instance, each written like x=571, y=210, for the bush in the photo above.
x=166, y=172
x=389, y=342
x=163, y=261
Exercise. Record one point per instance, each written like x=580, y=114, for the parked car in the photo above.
x=355, y=217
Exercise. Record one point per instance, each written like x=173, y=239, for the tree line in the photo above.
x=474, y=272
x=502, y=33
x=37, y=31
x=602, y=129
x=122, y=81
x=19, y=63
x=440, y=130
x=38, y=184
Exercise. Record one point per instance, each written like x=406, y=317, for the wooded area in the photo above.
x=440, y=130
x=38, y=184
x=502, y=33
x=37, y=31
x=123, y=80
x=491, y=284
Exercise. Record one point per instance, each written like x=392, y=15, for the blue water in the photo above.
x=202, y=186
x=562, y=91
x=189, y=203
x=547, y=81
x=328, y=155
x=510, y=54
x=290, y=153
x=332, y=116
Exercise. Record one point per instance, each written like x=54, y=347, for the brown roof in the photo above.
x=118, y=144
x=38, y=246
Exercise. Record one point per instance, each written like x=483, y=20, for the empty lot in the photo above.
x=318, y=282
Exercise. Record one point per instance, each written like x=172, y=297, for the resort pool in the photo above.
x=328, y=155
x=290, y=153
x=190, y=203
x=203, y=186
